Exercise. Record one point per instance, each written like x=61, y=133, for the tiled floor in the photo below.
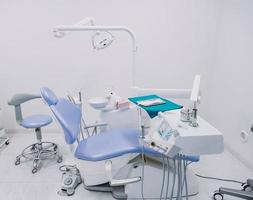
x=18, y=183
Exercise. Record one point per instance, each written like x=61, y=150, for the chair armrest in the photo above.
x=94, y=125
x=18, y=99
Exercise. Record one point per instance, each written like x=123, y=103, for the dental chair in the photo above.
x=40, y=150
x=102, y=155
x=105, y=159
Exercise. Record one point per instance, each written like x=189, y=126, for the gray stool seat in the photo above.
x=36, y=121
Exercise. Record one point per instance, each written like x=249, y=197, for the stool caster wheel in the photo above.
x=55, y=148
x=34, y=170
x=17, y=162
x=217, y=195
x=59, y=160
x=7, y=143
x=32, y=147
x=70, y=192
x=246, y=187
x=36, y=163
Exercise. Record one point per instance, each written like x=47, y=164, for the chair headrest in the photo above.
x=49, y=96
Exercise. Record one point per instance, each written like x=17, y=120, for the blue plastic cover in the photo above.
x=111, y=144
x=67, y=114
x=154, y=110
x=116, y=143
x=36, y=121
x=49, y=96
x=69, y=117
x=191, y=158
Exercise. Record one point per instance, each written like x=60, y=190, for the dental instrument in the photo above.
x=190, y=114
x=195, y=98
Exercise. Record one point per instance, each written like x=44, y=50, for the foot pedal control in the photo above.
x=71, y=178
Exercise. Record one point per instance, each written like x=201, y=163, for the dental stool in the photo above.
x=40, y=150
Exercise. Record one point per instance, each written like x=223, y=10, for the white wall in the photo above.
x=175, y=39
x=230, y=95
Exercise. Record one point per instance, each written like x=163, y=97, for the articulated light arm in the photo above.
x=59, y=30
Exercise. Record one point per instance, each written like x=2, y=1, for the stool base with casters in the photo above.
x=39, y=151
x=245, y=193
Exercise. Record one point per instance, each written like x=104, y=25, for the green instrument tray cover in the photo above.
x=155, y=109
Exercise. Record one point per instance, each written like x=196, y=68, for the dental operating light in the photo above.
x=102, y=37
x=101, y=40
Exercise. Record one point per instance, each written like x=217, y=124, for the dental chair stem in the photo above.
x=118, y=182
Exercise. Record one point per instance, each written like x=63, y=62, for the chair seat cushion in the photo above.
x=36, y=121
x=111, y=144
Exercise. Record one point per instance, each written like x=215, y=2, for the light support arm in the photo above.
x=63, y=28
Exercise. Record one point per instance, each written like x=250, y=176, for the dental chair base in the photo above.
x=153, y=175
x=152, y=182
x=94, y=173
x=118, y=192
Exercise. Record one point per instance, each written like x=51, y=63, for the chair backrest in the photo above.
x=67, y=114
x=19, y=99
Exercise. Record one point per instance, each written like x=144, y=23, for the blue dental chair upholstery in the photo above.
x=36, y=121
x=104, y=146
x=111, y=144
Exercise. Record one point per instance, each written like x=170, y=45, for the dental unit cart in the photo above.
x=205, y=139
x=172, y=137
